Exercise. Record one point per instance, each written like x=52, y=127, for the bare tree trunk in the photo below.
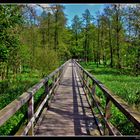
x=110, y=46
x=7, y=71
x=117, y=38
x=56, y=31
x=101, y=41
x=98, y=49
x=118, y=49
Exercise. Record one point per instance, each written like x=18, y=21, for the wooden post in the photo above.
x=54, y=80
x=93, y=87
x=59, y=76
x=93, y=92
x=60, y=73
x=30, y=115
x=55, y=77
x=63, y=69
x=47, y=87
x=46, y=92
x=83, y=77
x=87, y=81
x=107, y=114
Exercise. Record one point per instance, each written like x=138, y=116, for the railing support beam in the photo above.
x=30, y=115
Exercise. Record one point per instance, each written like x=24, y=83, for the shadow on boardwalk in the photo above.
x=76, y=93
x=69, y=113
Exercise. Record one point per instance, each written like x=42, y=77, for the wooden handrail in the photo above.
x=131, y=114
x=27, y=97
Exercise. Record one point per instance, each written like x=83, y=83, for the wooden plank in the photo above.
x=32, y=119
x=30, y=115
x=68, y=112
x=40, y=119
x=91, y=101
x=96, y=119
x=107, y=113
x=21, y=129
x=129, y=112
x=46, y=87
x=97, y=103
x=14, y=106
x=132, y=114
x=99, y=107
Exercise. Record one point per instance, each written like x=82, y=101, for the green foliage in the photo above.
x=9, y=127
x=32, y=46
x=25, y=57
x=44, y=63
x=3, y=53
x=120, y=121
x=11, y=90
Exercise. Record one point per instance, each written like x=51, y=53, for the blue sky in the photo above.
x=78, y=9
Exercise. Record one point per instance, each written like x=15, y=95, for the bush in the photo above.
x=46, y=60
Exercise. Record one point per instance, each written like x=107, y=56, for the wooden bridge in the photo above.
x=70, y=106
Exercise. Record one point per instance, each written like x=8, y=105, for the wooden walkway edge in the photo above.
x=69, y=113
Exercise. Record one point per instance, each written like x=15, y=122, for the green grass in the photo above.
x=125, y=86
x=120, y=83
x=12, y=89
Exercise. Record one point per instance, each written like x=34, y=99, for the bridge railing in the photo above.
x=28, y=98
x=106, y=128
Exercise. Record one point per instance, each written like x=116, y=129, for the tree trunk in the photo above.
x=48, y=35
x=56, y=31
x=7, y=71
x=118, y=48
x=98, y=41
x=110, y=46
x=117, y=39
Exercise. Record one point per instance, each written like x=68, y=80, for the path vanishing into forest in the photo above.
x=69, y=112
x=69, y=106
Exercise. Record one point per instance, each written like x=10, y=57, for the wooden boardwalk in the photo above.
x=69, y=113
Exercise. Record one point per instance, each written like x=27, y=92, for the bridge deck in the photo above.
x=69, y=113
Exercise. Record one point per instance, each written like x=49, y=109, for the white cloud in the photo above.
x=127, y=5
x=44, y=5
x=41, y=7
x=31, y=5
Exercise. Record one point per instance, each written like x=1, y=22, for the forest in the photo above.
x=33, y=45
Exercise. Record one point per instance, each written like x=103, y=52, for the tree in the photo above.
x=117, y=26
x=60, y=22
x=10, y=19
x=76, y=30
x=87, y=21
